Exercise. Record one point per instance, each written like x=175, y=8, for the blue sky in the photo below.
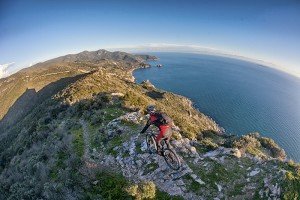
x=34, y=30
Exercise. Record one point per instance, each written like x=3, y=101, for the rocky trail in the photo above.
x=86, y=139
x=210, y=174
x=89, y=162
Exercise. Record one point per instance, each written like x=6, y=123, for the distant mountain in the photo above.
x=100, y=55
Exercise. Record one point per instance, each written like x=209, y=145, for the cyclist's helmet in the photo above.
x=151, y=109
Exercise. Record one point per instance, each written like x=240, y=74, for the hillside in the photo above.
x=80, y=139
x=35, y=78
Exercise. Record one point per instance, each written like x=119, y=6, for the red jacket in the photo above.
x=157, y=120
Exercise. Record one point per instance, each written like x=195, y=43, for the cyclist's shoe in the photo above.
x=159, y=152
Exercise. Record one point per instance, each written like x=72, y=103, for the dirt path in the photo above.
x=86, y=139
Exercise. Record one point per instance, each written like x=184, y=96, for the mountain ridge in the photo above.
x=41, y=74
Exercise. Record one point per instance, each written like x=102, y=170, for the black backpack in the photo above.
x=164, y=119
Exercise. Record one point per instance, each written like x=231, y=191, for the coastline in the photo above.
x=222, y=130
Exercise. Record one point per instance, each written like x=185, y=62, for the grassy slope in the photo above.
x=136, y=96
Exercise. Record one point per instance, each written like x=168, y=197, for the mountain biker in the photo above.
x=164, y=124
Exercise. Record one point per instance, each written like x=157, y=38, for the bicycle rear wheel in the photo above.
x=151, y=144
x=172, y=159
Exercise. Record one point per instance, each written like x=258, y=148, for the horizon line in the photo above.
x=197, y=49
x=179, y=48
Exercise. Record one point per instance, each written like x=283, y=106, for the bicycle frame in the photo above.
x=150, y=138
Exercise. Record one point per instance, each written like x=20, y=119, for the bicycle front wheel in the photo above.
x=172, y=159
x=151, y=144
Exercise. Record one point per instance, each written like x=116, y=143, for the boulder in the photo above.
x=236, y=152
x=219, y=187
x=254, y=172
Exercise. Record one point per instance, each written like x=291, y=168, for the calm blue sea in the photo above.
x=240, y=96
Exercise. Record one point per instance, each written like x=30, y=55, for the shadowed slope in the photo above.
x=31, y=98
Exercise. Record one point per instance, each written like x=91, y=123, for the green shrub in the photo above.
x=96, y=119
x=291, y=186
x=105, y=98
x=78, y=141
x=192, y=184
x=129, y=123
x=270, y=144
x=136, y=100
x=144, y=190
x=250, y=144
x=109, y=186
x=160, y=195
x=229, y=141
x=209, y=144
x=69, y=124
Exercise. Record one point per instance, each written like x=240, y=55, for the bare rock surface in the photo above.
x=135, y=162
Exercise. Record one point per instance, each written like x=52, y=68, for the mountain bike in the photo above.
x=169, y=155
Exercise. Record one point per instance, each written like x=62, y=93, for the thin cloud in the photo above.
x=3, y=69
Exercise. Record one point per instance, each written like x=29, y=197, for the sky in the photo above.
x=34, y=30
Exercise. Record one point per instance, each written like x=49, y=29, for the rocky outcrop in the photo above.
x=200, y=176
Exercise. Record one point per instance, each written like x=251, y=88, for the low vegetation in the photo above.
x=291, y=183
x=259, y=146
x=191, y=122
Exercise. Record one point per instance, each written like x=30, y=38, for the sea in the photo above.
x=241, y=96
